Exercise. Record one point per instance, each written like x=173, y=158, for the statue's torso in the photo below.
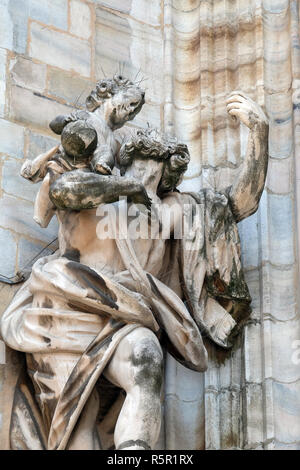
x=82, y=238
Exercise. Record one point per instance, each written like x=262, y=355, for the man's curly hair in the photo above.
x=151, y=143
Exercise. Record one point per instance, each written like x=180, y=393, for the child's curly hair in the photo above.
x=151, y=143
x=105, y=89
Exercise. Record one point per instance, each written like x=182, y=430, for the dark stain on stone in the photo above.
x=47, y=340
x=72, y=254
x=132, y=443
x=47, y=303
x=45, y=320
x=94, y=281
x=149, y=364
x=96, y=348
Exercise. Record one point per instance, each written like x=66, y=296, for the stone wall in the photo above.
x=190, y=55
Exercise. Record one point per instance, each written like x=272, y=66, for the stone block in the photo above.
x=60, y=49
x=28, y=74
x=279, y=107
x=17, y=214
x=186, y=384
x=184, y=424
x=136, y=47
x=287, y=412
x=275, y=6
x=8, y=252
x=32, y=108
x=7, y=27
x=225, y=374
x=71, y=88
x=14, y=184
x=248, y=230
x=284, y=336
x=80, y=19
x=278, y=73
x=11, y=138
x=28, y=251
x=142, y=10
x=283, y=282
x=50, y=12
x=281, y=214
x=212, y=421
x=284, y=168
x=229, y=419
x=252, y=351
x=3, y=55
x=252, y=417
x=38, y=143
x=18, y=12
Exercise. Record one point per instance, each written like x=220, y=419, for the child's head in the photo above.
x=79, y=140
x=121, y=98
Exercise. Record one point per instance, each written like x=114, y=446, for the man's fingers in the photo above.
x=233, y=98
x=242, y=106
x=240, y=93
x=236, y=112
x=234, y=105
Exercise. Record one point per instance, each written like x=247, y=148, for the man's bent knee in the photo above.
x=147, y=362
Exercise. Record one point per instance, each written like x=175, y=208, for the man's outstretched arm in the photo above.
x=246, y=191
x=79, y=189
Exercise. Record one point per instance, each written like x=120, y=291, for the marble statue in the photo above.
x=94, y=318
x=87, y=138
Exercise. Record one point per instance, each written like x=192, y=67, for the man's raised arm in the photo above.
x=246, y=191
x=79, y=189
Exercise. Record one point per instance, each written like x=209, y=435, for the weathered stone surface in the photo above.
x=7, y=256
x=60, y=49
x=27, y=251
x=80, y=19
x=285, y=369
x=6, y=31
x=32, y=108
x=133, y=44
x=39, y=143
x=184, y=411
x=253, y=366
x=16, y=24
x=281, y=220
x=280, y=108
x=71, y=88
x=285, y=169
x=254, y=408
x=16, y=214
x=250, y=242
x=50, y=12
x=286, y=412
x=141, y=10
x=28, y=74
x=3, y=55
x=11, y=138
x=282, y=283
x=12, y=182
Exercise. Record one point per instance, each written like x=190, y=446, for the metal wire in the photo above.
x=22, y=274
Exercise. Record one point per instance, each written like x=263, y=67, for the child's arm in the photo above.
x=35, y=170
x=44, y=208
x=103, y=159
